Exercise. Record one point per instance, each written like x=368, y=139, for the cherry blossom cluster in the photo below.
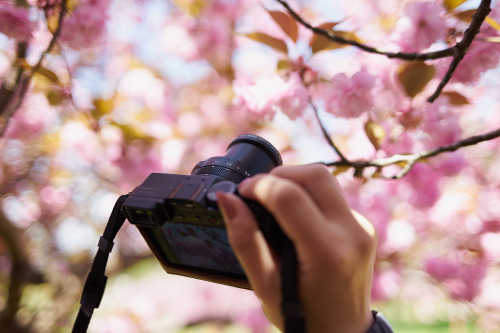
x=120, y=89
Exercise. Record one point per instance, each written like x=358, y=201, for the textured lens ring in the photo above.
x=262, y=144
x=220, y=172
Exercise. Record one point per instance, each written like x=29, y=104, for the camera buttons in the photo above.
x=224, y=186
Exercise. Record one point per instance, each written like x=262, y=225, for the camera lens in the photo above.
x=246, y=155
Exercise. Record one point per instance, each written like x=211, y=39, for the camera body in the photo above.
x=178, y=215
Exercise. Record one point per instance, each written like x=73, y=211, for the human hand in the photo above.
x=335, y=247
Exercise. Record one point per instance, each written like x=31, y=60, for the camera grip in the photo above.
x=273, y=233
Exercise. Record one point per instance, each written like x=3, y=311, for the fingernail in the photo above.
x=226, y=206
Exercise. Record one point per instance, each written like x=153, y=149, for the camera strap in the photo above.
x=291, y=307
x=96, y=280
x=95, y=284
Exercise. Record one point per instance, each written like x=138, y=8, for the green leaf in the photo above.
x=287, y=24
x=283, y=64
x=273, y=42
x=375, y=133
x=414, y=76
x=47, y=73
x=452, y=4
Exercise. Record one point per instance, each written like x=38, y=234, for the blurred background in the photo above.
x=139, y=86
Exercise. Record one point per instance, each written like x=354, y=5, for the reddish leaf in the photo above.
x=273, y=42
x=320, y=42
x=414, y=76
x=287, y=24
x=465, y=15
x=456, y=98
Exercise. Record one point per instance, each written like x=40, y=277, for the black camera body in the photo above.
x=178, y=215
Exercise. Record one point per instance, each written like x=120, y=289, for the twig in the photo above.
x=460, y=49
x=325, y=133
x=410, y=159
x=11, y=96
x=457, y=51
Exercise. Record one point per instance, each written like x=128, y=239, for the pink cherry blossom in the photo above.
x=421, y=26
x=348, y=97
x=480, y=57
x=294, y=98
x=424, y=181
x=460, y=274
x=33, y=117
x=386, y=284
x=270, y=94
x=86, y=25
x=15, y=22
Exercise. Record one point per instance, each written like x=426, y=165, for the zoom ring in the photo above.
x=222, y=172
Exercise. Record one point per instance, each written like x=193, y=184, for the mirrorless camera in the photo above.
x=179, y=218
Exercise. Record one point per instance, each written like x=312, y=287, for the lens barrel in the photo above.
x=246, y=155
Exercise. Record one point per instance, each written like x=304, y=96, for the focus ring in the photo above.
x=222, y=172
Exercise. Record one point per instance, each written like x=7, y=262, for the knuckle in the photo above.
x=286, y=195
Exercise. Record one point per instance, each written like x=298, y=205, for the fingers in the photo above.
x=302, y=199
x=291, y=206
x=319, y=183
x=250, y=246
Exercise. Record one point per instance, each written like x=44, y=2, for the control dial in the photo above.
x=224, y=186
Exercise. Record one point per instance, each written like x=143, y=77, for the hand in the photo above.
x=335, y=247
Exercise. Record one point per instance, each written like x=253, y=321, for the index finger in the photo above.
x=292, y=207
x=321, y=185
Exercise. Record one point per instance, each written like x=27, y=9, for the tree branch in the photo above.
x=21, y=273
x=325, y=133
x=460, y=49
x=457, y=51
x=12, y=94
x=409, y=160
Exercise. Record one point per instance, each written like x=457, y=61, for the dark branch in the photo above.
x=457, y=51
x=12, y=94
x=409, y=160
x=325, y=133
x=460, y=49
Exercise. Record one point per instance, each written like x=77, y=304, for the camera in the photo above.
x=178, y=215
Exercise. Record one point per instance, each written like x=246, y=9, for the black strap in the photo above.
x=291, y=307
x=380, y=324
x=96, y=280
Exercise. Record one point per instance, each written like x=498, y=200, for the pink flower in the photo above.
x=270, y=94
x=440, y=122
x=294, y=98
x=15, y=22
x=385, y=284
x=425, y=183
x=33, y=117
x=421, y=26
x=459, y=274
x=480, y=57
x=349, y=97
x=86, y=25
x=210, y=31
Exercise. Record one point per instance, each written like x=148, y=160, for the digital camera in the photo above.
x=178, y=215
